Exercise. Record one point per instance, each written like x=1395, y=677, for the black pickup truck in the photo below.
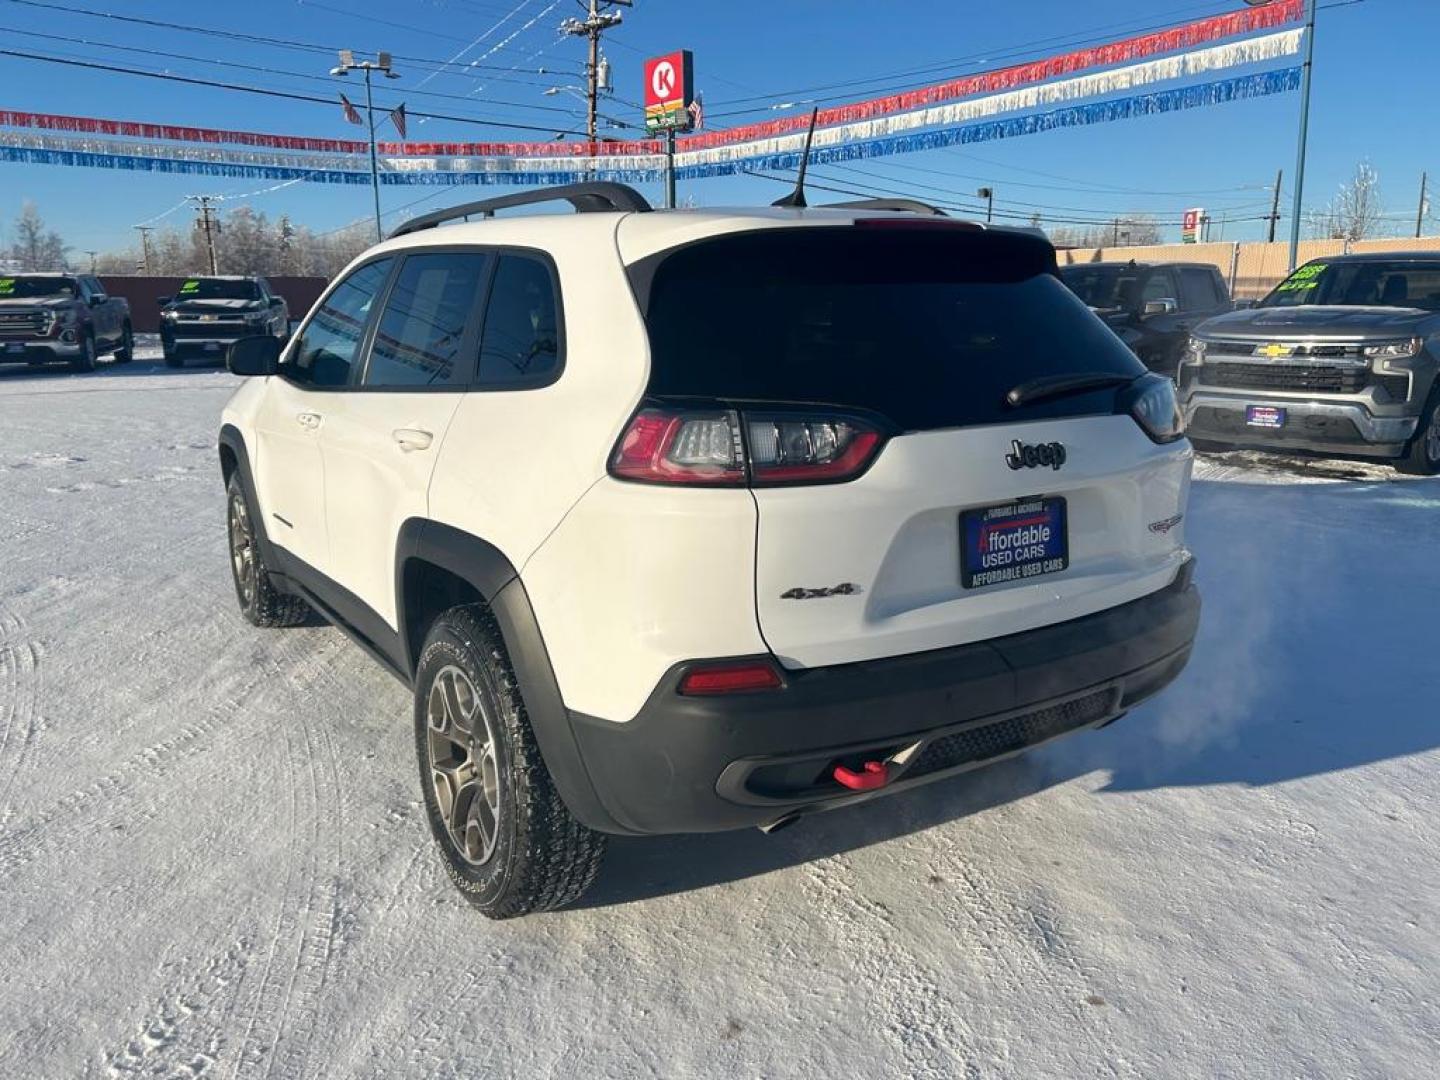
x=1342, y=358
x=62, y=318
x=1151, y=306
x=209, y=313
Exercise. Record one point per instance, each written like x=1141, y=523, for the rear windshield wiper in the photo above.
x=1054, y=386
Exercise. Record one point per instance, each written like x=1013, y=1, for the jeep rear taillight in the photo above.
x=727, y=447
x=809, y=449
x=668, y=446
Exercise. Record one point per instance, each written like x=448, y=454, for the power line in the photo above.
x=260, y=69
x=253, y=39
x=288, y=95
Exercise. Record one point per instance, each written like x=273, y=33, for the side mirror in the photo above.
x=276, y=302
x=254, y=356
x=1165, y=306
x=96, y=299
x=1244, y=305
x=163, y=301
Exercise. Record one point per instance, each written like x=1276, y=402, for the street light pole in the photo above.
x=347, y=64
x=374, y=155
x=1305, y=73
x=988, y=194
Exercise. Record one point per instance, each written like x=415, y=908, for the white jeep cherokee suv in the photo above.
x=694, y=520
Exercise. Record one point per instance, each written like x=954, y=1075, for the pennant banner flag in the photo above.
x=969, y=109
x=487, y=171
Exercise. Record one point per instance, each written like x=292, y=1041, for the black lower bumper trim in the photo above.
x=700, y=764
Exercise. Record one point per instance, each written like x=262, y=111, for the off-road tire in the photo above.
x=125, y=351
x=261, y=603
x=1422, y=456
x=542, y=858
x=87, y=358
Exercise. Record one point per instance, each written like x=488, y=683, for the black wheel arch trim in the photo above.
x=231, y=439
x=486, y=569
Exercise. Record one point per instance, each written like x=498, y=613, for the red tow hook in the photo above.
x=873, y=775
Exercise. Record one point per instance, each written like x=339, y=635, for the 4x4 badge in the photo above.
x=1023, y=456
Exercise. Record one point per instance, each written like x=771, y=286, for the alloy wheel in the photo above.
x=242, y=549
x=464, y=769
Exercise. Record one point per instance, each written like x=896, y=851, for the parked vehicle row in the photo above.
x=1341, y=358
x=69, y=319
x=62, y=318
x=209, y=314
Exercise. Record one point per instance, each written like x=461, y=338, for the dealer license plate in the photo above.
x=1264, y=416
x=1014, y=542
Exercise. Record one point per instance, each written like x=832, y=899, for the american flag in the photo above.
x=697, y=111
x=351, y=113
x=397, y=116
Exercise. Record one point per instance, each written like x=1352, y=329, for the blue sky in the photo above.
x=1373, y=98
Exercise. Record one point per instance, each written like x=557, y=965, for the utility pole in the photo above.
x=92, y=255
x=381, y=63
x=1420, y=213
x=145, y=231
x=209, y=224
x=598, y=19
x=988, y=194
x=1275, y=204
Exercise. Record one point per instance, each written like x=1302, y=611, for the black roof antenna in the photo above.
x=797, y=197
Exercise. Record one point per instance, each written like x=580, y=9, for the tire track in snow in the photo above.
x=185, y=1033
x=924, y=1031
x=280, y=1031
x=21, y=722
x=115, y=794
x=1028, y=950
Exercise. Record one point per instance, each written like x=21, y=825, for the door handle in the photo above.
x=308, y=420
x=411, y=439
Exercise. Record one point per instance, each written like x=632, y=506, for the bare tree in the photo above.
x=36, y=247
x=1354, y=213
x=1129, y=230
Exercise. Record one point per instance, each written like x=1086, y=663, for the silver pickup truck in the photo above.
x=1341, y=358
x=62, y=318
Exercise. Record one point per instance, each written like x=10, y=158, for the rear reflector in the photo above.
x=732, y=678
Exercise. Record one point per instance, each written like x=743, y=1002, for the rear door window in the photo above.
x=1160, y=286
x=425, y=333
x=1197, y=290
x=521, y=342
x=930, y=327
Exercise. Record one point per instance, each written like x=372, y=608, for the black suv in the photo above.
x=208, y=314
x=1151, y=306
x=1341, y=358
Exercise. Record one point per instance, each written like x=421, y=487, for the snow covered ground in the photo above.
x=212, y=860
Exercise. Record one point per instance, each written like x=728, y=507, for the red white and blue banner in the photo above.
x=1007, y=103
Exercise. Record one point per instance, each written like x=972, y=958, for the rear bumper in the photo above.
x=699, y=764
x=1321, y=426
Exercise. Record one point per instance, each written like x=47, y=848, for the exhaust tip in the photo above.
x=781, y=823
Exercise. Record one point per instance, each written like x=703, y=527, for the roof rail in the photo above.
x=595, y=196
x=912, y=205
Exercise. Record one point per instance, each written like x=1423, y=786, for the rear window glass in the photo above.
x=928, y=327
